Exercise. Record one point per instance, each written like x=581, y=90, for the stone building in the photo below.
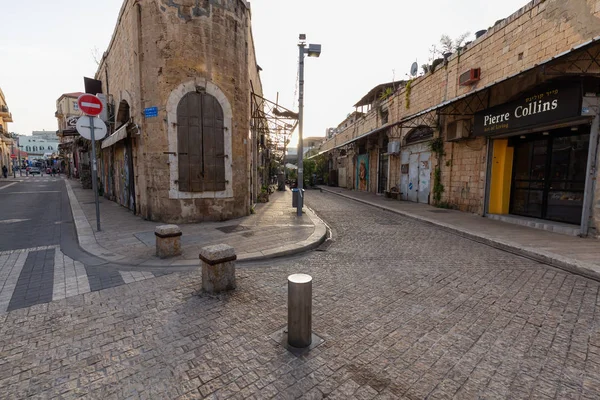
x=507, y=127
x=67, y=114
x=40, y=144
x=178, y=77
x=6, y=140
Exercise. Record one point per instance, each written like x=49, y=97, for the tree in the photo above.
x=450, y=46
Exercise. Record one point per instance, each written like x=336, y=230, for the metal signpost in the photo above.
x=92, y=106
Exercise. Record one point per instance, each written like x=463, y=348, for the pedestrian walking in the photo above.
x=4, y=171
x=53, y=171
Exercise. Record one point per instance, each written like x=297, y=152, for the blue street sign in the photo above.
x=151, y=112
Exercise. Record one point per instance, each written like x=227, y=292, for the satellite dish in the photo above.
x=414, y=68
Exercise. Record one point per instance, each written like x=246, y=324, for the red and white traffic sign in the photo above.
x=90, y=104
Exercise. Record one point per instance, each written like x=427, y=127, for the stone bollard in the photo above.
x=299, y=310
x=218, y=268
x=168, y=240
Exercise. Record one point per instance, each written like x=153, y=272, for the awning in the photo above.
x=117, y=135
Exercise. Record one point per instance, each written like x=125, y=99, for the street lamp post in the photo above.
x=313, y=50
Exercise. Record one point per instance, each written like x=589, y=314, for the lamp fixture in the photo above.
x=314, y=50
x=575, y=128
x=522, y=137
x=545, y=133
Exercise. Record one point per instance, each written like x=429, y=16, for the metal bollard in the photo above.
x=299, y=310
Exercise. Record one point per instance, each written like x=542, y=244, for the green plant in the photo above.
x=407, y=91
x=435, y=63
x=437, y=146
x=445, y=204
x=386, y=93
x=438, y=188
x=292, y=174
x=448, y=163
x=252, y=210
x=310, y=168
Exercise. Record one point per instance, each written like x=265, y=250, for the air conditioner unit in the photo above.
x=459, y=129
x=393, y=147
x=469, y=77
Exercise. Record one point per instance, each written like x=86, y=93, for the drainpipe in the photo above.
x=588, y=196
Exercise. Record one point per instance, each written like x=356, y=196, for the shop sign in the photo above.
x=552, y=104
x=72, y=122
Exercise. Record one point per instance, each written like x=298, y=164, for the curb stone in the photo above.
x=87, y=241
x=587, y=270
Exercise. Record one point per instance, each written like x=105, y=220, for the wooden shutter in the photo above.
x=200, y=143
x=183, y=119
x=214, y=144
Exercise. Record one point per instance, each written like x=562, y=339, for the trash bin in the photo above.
x=295, y=197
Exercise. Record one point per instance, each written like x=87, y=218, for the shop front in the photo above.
x=542, y=154
x=548, y=177
x=415, y=169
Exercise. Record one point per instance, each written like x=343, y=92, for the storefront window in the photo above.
x=549, y=175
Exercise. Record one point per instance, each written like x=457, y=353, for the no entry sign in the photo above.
x=90, y=104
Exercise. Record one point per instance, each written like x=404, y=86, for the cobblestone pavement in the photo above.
x=406, y=311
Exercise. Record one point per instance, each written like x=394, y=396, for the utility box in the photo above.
x=295, y=197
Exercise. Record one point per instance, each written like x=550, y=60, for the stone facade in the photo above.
x=6, y=140
x=151, y=62
x=71, y=144
x=507, y=55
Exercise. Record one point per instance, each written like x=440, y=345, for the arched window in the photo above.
x=27, y=148
x=419, y=134
x=200, y=143
x=34, y=148
x=41, y=147
x=50, y=148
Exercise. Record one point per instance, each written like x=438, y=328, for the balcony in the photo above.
x=4, y=112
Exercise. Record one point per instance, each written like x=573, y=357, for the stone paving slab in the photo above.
x=273, y=230
x=574, y=254
x=406, y=311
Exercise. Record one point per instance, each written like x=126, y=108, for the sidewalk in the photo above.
x=274, y=230
x=578, y=255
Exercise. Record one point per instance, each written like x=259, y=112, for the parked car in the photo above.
x=35, y=170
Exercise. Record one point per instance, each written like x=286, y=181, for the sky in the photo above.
x=47, y=47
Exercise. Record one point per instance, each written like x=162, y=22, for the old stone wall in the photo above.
x=537, y=32
x=534, y=34
x=165, y=46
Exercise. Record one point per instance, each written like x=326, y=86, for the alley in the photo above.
x=406, y=311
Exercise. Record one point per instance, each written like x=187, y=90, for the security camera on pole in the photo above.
x=87, y=128
x=313, y=50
